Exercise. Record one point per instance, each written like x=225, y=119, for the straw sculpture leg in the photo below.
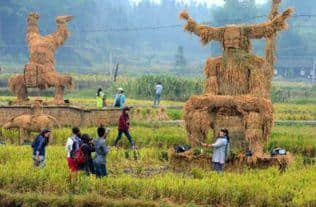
x=247, y=118
x=18, y=87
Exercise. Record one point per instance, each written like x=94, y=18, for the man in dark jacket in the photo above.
x=87, y=148
x=123, y=127
x=39, y=146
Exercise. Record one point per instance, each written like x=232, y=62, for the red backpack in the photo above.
x=79, y=157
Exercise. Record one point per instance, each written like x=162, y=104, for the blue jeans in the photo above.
x=157, y=99
x=100, y=170
x=218, y=167
x=119, y=136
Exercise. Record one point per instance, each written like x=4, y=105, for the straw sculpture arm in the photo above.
x=269, y=28
x=206, y=33
x=32, y=27
x=61, y=34
x=271, y=41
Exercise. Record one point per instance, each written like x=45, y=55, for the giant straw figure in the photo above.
x=238, y=83
x=40, y=72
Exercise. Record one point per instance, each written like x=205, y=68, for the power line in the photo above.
x=127, y=29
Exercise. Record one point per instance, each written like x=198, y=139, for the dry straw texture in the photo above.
x=40, y=72
x=237, y=83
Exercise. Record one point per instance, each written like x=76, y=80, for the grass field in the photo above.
x=146, y=178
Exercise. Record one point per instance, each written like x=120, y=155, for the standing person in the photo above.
x=119, y=100
x=221, y=148
x=158, y=94
x=87, y=147
x=100, y=98
x=39, y=145
x=123, y=127
x=73, y=144
x=101, y=150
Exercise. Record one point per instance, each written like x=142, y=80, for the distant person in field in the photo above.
x=123, y=127
x=72, y=145
x=101, y=151
x=87, y=148
x=119, y=100
x=100, y=98
x=158, y=91
x=39, y=145
x=220, y=150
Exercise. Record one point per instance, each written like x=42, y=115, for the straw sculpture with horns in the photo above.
x=40, y=72
x=238, y=83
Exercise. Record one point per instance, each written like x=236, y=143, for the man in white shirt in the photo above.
x=72, y=145
x=158, y=94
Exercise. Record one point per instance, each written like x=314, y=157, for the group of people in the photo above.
x=79, y=147
x=119, y=99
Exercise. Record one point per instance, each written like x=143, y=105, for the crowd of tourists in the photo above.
x=80, y=147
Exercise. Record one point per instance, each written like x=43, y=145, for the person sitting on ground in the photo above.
x=220, y=152
x=101, y=150
x=158, y=94
x=73, y=144
x=123, y=127
x=87, y=147
x=39, y=145
x=100, y=98
x=119, y=100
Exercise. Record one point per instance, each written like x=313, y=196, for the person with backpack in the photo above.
x=101, y=151
x=158, y=90
x=39, y=145
x=72, y=145
x=119, y=100
x=123, y=127
x=220, y=150
x=87, y=148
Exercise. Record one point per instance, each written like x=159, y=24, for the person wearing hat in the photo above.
x=39, y=145
x=123, y=127
x=119, y=100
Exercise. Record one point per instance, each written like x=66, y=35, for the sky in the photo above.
x=208, y=2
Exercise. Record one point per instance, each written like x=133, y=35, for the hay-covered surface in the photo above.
x=40, y=72
x=238, y=83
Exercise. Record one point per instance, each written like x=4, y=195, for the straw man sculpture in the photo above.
x=40, y=72
x=238, y=83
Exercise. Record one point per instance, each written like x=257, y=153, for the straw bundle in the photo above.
x=162, y=115
x=137, y=114
x=149, y=115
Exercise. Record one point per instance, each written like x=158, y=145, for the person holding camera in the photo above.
x=87, y=148
x=39, y=145
x=220, y=150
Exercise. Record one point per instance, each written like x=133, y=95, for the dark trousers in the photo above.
x=100, y=170
x=119, y=136
x=89, y=167
x=218, y=167
x=157, y=99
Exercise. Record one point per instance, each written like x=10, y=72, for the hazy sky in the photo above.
x=209, y=2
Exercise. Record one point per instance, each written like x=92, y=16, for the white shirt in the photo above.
x=158, y=88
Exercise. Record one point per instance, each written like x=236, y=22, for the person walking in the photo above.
x=220, y=150
x=87, y=147
x=72, y=145
x=39, y=145
x=119, y=100
x=158, y=90
x=100, y=98
x=123, y=127
x=101, y=151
